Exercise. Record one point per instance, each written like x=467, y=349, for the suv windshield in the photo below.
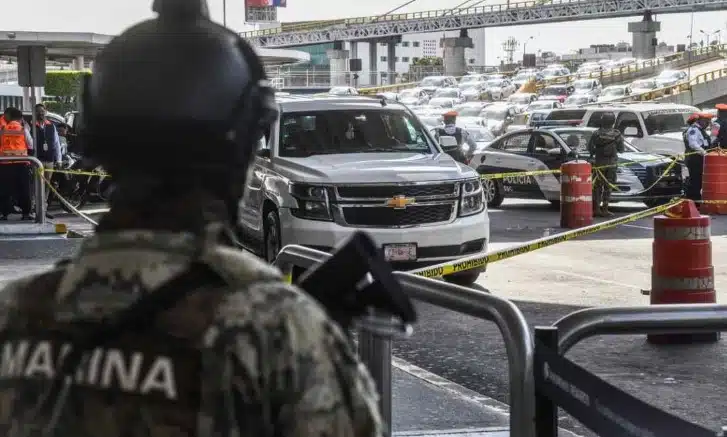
x=446, y=93
x=432, y=81
x=554, y=91
x=304, y=134
x=659, y=123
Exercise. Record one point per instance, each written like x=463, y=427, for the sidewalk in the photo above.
x=427, y=405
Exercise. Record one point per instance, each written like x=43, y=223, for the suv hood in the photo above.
x=669, y=136
x=373, y=168
x=643, y=158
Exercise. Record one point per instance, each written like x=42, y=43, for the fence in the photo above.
x=375, y=350
x=541, y=378
x=38, y=183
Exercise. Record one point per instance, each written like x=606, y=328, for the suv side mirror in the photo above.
x=631, y=132
x=263, y=153
x=447, y=142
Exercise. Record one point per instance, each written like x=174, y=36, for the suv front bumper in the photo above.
x=435, y=244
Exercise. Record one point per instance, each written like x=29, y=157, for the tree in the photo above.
x=65, y=88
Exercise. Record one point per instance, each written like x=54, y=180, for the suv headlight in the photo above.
x=472, y=200
x=313, y=202
x=624, y=171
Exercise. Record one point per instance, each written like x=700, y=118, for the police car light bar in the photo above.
x=552, y=123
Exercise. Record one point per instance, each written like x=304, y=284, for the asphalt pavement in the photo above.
x=605, y=269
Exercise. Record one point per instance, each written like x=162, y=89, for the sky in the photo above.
x=112, y=17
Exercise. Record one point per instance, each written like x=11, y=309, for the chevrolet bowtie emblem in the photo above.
x=399, y=202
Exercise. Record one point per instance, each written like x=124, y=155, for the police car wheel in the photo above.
x=555, y=204
x=465, y=278
x=494, y=192
x=271, y=236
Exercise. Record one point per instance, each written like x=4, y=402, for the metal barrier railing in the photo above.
x=579, y=325
x=375, y=351
x=38, y=184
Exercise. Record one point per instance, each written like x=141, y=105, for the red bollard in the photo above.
x=682, y=271
x=714, y=183
x=576, y=195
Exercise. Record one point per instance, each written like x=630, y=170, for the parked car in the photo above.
x=614, y=92
x=670, y=78
x=591, y=87
x=579, y=99
x=522, y=100
x=446, y=97
x=499, y=89
x=431, y=84
x=474, y=91
x=556, y=92
x=544, y=105
x=414, y=97
x=642, y=86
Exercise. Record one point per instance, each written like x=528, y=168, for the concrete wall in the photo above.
x=628, y=76
x=703, y=94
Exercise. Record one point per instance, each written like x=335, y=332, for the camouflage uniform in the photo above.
x=604, y=147
x=253, y=358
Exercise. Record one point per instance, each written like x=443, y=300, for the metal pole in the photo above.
x=374, y=350
x=689, y=60
x=224, y=12
x=546, y=412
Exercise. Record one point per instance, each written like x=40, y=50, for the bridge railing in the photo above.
x=475, y=303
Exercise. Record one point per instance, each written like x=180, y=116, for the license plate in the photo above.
x=400, y=252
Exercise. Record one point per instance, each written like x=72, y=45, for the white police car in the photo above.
x=550, y=144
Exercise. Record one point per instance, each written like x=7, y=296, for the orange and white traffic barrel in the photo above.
x=576, y=195
x=682, y=271
x=714, y=183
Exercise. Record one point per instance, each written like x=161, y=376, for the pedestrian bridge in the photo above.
x=497, y=15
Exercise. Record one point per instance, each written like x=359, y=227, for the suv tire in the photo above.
x=494, y=192
x=271, y=236
x=464, y=279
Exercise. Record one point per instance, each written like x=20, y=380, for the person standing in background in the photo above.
x=15, y=179
x=696, y=144
x=49, y=145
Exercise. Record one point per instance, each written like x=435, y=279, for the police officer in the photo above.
x=159, y=325
x=696, y=145
x=604, y=146
x=15, y=180
x=720, y=139
x=451, y=129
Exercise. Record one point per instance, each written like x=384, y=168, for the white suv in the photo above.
x=331, y=165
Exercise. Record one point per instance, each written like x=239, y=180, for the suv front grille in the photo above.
x=383, y=216
x=385, y=191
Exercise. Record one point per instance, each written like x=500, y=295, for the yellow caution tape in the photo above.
x=477, y=261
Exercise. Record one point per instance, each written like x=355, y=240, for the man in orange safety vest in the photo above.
x=15, y=180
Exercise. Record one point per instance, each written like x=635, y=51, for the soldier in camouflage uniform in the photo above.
x=604, y=146
x=223, y=347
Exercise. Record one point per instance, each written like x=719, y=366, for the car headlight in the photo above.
x=313, y=202
x=625, y=171
x=472, y=200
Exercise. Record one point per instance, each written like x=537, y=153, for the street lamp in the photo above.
x=525, y=45
x=224, y=13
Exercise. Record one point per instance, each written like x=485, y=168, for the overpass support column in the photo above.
x=79, y=63
x=391, y=62
x=339, y=64
x=455, y=63
x=644, y=37
x=373, y=63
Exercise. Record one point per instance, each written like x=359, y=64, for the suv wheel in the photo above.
x=494, y=192
x=271, y=236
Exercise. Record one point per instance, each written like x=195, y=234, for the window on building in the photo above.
x=396, y=59
x=383, y=59
x=472, y=60
x=383, y=44
x=405, y=44
x=415, y=59
x=405, y=59
x=415, y=44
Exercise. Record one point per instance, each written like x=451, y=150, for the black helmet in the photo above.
x=192, y=95
x=607, y=120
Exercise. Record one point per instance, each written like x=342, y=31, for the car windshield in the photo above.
x=432, y=81
x=644, y=84
x=576, y=100
x=661, y=122
x=577, y=140
x=524, y=76
x=494, y=114
x=479, y=134
x=468, y=79
x=469, y=111
x=494, y=82
x=409, y=93
x=550, y=72
x=583, y=84
x=554, y=91
x=446, y=93
x=620, y=91
x=304, y=134
x=540, y=105
x=470, y=85
x=519, y=98
x=668, y=75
